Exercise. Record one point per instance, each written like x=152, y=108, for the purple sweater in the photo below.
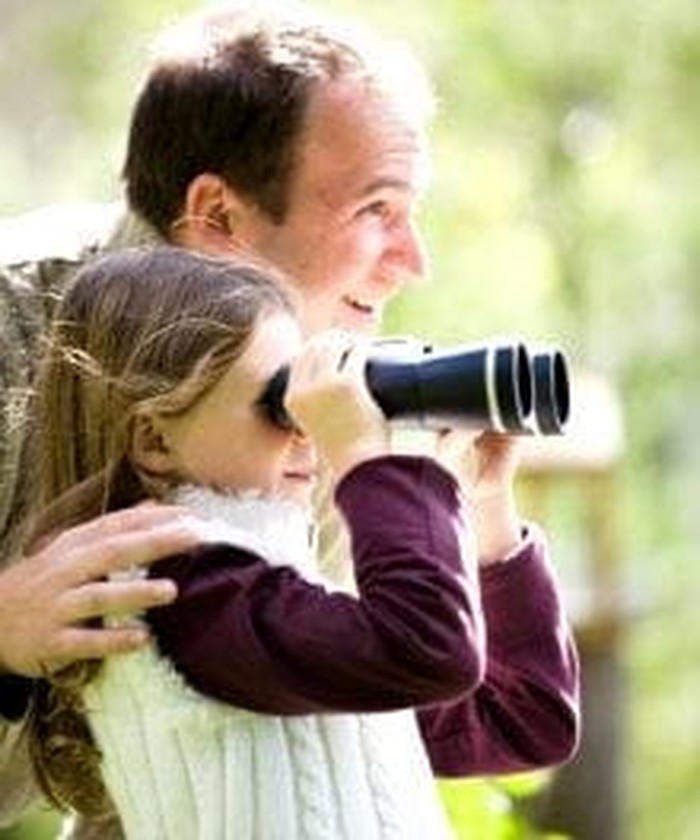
x=484, y=656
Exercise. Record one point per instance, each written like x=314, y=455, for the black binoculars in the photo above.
x=498, y=386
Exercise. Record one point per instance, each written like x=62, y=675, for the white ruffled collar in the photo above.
x=278, y=530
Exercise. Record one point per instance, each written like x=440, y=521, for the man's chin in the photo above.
x=356, y=319
x=343, y=317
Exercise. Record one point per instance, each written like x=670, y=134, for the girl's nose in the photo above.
x=303, y=451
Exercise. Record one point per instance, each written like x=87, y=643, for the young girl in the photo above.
x=272, y=705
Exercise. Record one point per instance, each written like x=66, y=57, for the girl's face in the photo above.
x=226, y=441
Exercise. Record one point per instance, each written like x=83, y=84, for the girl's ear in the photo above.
x=150, y=449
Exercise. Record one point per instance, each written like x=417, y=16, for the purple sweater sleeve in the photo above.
x=262, y=637
x=525, y=713
x=489, y=700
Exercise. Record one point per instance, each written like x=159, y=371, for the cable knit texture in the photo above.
x=181, y=766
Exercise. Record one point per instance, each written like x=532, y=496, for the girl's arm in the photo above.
x=525, y=714
x=262, y=637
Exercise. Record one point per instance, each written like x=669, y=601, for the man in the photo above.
x=283, y=137
x=320, y=178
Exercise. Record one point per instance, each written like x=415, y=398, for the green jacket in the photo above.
x=39, y=252
x=31, y=280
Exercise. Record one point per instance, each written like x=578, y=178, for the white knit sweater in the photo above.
x=181, y=766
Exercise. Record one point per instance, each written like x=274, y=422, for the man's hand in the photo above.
x=46, y=598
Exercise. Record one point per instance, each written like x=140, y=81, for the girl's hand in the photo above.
x=328, y=399
x=485, y=464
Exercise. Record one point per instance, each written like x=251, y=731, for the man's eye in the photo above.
x=376, y=208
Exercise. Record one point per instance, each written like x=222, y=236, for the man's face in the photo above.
x=349, y=241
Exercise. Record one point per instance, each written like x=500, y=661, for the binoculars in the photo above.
x=500, y=386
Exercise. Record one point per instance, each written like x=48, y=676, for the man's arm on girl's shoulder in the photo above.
x=47, y=598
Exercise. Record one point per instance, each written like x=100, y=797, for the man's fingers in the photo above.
x=143, y=517
x=93, y=600
x=78, y=643
x=122, y=551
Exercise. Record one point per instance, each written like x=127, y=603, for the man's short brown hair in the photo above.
x=228, y=96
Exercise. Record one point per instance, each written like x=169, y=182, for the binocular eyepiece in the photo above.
x=498, y=386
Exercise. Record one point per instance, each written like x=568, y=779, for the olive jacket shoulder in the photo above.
x=39, y=253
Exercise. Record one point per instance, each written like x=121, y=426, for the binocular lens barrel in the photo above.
x=498, y=386
x=552, y=392
x=484, y=387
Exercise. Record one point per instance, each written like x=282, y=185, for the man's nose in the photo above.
x=410, y=254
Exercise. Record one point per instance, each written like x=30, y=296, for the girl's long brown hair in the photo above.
x=135, y=331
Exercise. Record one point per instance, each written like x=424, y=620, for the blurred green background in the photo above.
x=565, y=206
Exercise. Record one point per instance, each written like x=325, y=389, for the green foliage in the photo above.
x=490, y=808
x=40, y=825
x=67, y=75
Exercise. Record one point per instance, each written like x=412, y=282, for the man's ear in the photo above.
x=207, y=200
x=214, y=209
x=151, y=449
